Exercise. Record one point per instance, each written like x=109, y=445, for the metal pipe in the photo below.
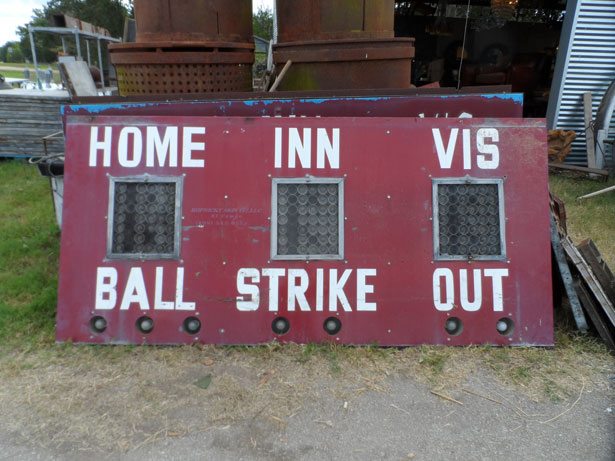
x=87, y=47
x=78, y=43
x=275, y=24
x=38, y=78
x=100, y=65
x=64, y=45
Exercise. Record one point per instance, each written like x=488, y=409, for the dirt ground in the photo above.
x=307, y=403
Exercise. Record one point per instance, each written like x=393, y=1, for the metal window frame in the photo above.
x=146, y=178
x=274, y=218
x=436, y=223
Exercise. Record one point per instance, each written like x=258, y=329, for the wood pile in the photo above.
x=588, y=281
x=25, y=120
x=560, y=144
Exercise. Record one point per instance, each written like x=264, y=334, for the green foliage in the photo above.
x=29, y=251
x=109, y=14
x=11, y=52
x=263, y=23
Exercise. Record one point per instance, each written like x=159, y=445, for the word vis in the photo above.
x=300, y=147
x=148, y=146
x=444, y=289
x=297, y=283
x=135, y=291
x=488, y=157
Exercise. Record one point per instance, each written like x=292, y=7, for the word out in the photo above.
x=444, y=289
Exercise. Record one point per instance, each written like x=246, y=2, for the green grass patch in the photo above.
x=29, y=252
x=12, y=71
x=589, y=218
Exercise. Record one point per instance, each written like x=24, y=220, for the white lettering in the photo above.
x=298, y=286
x=467, y=150
x=491, y=149
x=363, y=289
x=190, y=146
x=104, y=145
x=449, y=288
x=498, y=294
x=325, y=147
x=320, y=297
x=297, y=292
x=180, y=305
x=135, y=291
x=303, y=149
x=159, y=304
x=445, y=157
x=106, y=295
x=244, y=289
x=159, y=148
x=336, y=290
x=274, y=275
x=137, y=147
x=278, y=147
x=463, y=287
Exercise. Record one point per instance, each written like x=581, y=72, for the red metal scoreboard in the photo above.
x=230, y=229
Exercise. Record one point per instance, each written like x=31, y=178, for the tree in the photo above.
x=263, y=23
x=109, y=14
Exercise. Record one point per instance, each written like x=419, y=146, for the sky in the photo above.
x=14, y=13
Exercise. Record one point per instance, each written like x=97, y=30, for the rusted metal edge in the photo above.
x=330, y=54
x=358, y=43
x=580, y=169
x=163, y=46
x=360, y=93
x=174, y=58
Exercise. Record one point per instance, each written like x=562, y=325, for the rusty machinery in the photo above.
x=187, y=46
x=341, y=44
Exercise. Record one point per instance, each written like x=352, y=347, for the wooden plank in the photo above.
x=558, y=208
x=606, y=332
x=589, y=278
x=580, y=169
x=589, y=131
x=77, y=78
x=564, y=271
x=599, y=267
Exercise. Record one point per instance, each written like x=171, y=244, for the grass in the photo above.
x=8, y=70
x=29, y=251
x=143, y=394
x=589, y=218
x=23, y=65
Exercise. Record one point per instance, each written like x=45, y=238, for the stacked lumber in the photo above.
x=26, y=119
x=588, y=281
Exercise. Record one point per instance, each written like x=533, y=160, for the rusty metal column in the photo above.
x=187, y=46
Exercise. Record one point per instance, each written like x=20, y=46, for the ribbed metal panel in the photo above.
x=586, y=62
